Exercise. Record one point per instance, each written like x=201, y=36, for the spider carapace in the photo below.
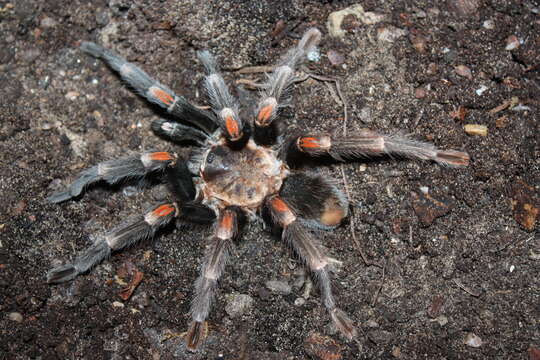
x=239, y=167
x=242, y=177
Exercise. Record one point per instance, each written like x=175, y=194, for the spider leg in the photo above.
x=275, y=93
x=315, y=199
x=310, y=251
x=211, y=270
x=196, y=213
x=126, y=233
x=180, y=182
x=177, y=132
x=113, y=171
x=368, y=143
x=223, y=103
x=151, y=89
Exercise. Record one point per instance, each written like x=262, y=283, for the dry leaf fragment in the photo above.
x=126, y=293
x=459, y=113
x=502, y=122
x=322, y=347
x=524, y=204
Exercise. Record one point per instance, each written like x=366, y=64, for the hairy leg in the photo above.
x=276, y=90
x=223, y=103
x=113, y=171
x=315, y=199
x=177, y=132
x=128, y=232
x=151, y=89
x=368, y=143
x=310, y=251
x=211, y=270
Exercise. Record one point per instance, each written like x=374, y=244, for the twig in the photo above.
x=249, y=83
x=465, y=288
x=380, y=287
x=256, y=69
x=510, y=243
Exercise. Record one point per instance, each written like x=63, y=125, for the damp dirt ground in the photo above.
x=458, y=248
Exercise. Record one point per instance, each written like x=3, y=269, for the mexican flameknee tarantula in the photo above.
x=241, y=168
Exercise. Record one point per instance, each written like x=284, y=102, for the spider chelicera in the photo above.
x=240, y=168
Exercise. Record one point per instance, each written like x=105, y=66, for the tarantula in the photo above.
x=240, y=168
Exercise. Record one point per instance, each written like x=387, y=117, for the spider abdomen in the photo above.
x=241, y=177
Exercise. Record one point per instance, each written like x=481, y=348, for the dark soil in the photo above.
x=463, y=260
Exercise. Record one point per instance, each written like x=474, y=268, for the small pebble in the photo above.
x=30, y=55
x=130, y=191
x=48, y=22
x=365, y=114
x=465, y=71
x=512, y=43
x=372, y=323
x=335, y=57
x=380, y=336
x=473, y=340
x=463, y=8
x=441, y=320
x=102, y=17
x=300, y=301
x=238, y=304
x=475, y=129
x=390, y=33
x=314, y=55
x=118, y=304
x=279, y=287
x=419, y=43
x=481, y=90
x=72, y=95
x=432, y=69
x=489, y=24
x=264, y=294
x=15, y=316
x=420, y=93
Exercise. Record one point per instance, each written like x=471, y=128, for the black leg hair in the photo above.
x=196, y=213
x=113, y=171
x=180, y=182
x=308, y=248
x=315, y=199
x=211, y=270
x=126, y=233
x=368, y=143
x=266, y=135
x=152, y=90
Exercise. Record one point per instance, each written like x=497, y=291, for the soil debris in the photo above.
x=322, y=347
x=476, y=129
x=429, y=208
x=525, y=204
